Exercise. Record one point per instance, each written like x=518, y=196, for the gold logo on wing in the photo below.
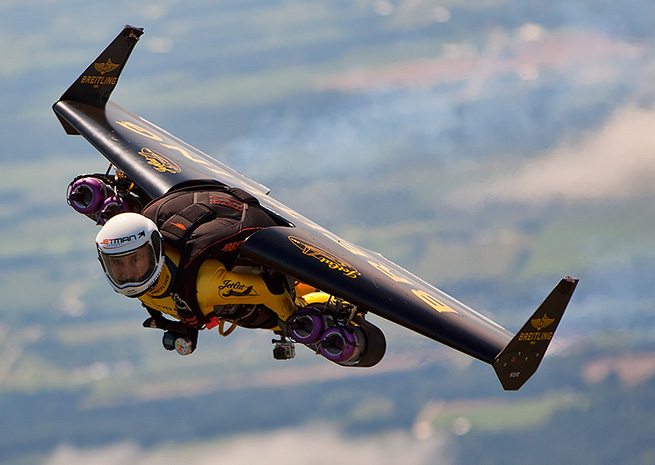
x=541, y=323
x=104, y=68
x=160, y=162
x=332, y=261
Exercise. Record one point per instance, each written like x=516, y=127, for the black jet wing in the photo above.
x=159, y=162
x=373, y=283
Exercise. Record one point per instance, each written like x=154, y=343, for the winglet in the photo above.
x=519, y=360
x=96, y=83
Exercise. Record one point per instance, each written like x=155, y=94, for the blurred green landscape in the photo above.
x=489, y=147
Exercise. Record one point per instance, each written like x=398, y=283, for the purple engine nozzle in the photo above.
x=112, y=206
x=87, y=195
x=342, y=345
x=307, y=326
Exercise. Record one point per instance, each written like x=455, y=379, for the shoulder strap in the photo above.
x=178, y=228
x=242, y=195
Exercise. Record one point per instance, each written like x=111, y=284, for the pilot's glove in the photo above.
x=187, y=316
x=158, y=321
x=191, y=322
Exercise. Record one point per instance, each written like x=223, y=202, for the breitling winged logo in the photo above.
x=104, y=68
x=541, y=323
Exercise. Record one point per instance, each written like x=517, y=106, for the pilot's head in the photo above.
x=130, y=249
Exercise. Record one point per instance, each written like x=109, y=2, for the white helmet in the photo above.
x=130, y=249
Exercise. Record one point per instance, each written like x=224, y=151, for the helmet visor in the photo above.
x=131, y=268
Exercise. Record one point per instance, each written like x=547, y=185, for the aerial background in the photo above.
x=490, y=147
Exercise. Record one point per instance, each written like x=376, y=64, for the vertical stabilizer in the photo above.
x=96, y=83
x=522, y=356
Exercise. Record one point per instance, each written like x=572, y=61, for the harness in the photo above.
x=201, y=223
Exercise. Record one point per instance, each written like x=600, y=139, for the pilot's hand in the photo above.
x=189, y=318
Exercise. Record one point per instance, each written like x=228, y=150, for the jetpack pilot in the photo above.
x=176, y=257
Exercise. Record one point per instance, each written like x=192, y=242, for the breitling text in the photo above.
x=99, y=80
x=533, y=337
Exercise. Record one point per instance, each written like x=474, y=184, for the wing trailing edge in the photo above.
x=97, y=82
x=519, y=360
